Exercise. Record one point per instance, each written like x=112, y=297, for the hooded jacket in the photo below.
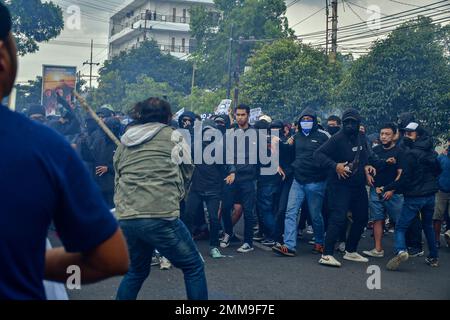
x=208, y=178
x=186, y=114
x=153, y=167
x=420, y=171
x=444, y=177
x=306, y=170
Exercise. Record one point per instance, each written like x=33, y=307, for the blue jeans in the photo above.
x=266, y=197
x=173, y=240
x=411, y=206
x=314, y=195
x=379, y=208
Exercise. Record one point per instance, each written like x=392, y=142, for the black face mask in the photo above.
x=333, y=130
x=408, y=142
x=351, y=127
x=388, y=145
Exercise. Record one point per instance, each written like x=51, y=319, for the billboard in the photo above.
x=57, y=80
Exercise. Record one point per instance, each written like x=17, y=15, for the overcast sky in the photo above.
x=95, y=15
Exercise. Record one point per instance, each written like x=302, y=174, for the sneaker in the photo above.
x=225, y=242
x=309, y=230
x=355, y=256
x=164, y=263
x=283, y=250
x=257, y=236
x=245, y=248
x=268, y=242
x=415, y=252
x=374, y=253
x=432, y=262
x=318, y=248
x=447, y=237
x=215, y=253
x=155, y=261
x=341, y=247
x=395, y=262
x=329, y=261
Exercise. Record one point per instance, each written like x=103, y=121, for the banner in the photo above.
x=57, y=80
x=224, y=107
x=254, y=115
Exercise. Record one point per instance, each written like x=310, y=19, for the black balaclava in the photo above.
x=351, y=120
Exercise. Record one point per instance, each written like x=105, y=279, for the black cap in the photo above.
x=5, y=22
x=351, y=114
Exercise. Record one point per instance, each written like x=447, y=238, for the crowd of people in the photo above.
x=330, y=177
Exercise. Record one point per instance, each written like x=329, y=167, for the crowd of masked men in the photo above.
x=332, y=180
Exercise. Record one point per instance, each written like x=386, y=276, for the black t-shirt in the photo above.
x=386, y=173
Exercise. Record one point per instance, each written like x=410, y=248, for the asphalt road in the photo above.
x=263, y=275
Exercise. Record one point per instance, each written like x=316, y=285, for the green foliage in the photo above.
x=407, y=72
x=28, y=94
x=202, y=101
x=285, y=77
x=34, y=22
x=260, y=19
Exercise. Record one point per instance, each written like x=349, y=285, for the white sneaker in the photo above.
x=225, y=242
x=374, y=253
x=395, y=262
x=329, y=261
x=309, y=230
x=164, y=263
x=355, y=256
x=447, y=237
x=245, y=248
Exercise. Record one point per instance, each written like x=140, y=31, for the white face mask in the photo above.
x=306, y=125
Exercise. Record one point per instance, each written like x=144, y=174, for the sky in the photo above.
x=304, y=16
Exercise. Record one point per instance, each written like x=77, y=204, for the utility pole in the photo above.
x=90, y=63
x=334, y=30
x=230, y=52
x=327, y=36
x=192, y=84
x=237, y=73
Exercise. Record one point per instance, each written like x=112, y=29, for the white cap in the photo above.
x=412, y=126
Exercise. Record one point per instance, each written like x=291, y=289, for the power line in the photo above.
x=308, y=17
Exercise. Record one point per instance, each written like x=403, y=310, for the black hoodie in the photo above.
x=342, y=148
x=421, y=169
x=208, y=179
x=306, y=170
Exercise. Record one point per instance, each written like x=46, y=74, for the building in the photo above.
x=165, y=21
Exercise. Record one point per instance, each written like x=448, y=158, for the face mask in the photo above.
x=388, y=145
x=351, y=128
x=333, y=130
x=306, y=127
x=408, y=142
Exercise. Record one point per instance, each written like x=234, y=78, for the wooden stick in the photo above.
x=96, y=118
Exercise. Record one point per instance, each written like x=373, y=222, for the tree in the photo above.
x=202, y=101
x=286, y=76
x=34, y=22
x=409, y=71
x=148, y=60
x=28, y=94
x=256, y=19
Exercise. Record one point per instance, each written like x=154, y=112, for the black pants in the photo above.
x=305, y=217
x=281, y=212
x=195, y=200
x=342, y=199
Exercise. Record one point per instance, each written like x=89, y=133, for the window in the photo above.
x=174, y=16
x=173, y=45
x=183, y=19
x=183, y=44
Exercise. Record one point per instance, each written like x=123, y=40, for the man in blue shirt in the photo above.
x=43, y=180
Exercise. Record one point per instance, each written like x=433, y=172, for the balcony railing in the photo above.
x=151, y=16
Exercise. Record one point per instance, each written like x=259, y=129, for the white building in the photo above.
x=165, y=21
